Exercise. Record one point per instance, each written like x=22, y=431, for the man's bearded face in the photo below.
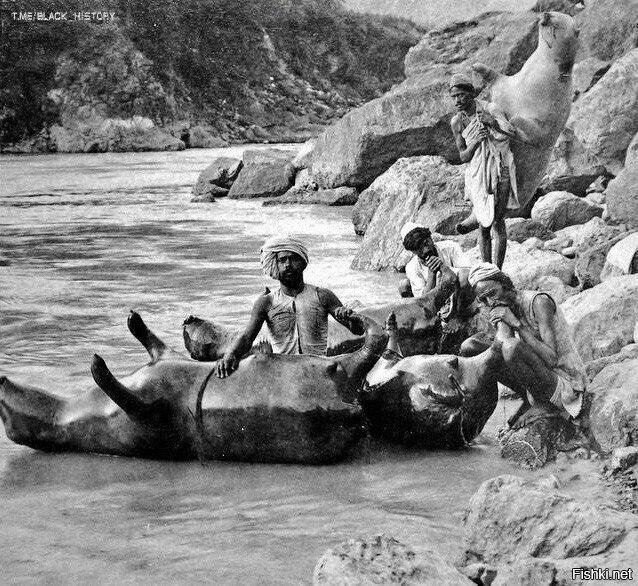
x=290, y=267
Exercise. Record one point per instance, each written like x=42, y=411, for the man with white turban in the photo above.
x=541, y=363
x=295, y=313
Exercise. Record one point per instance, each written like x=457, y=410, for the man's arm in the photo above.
x=242, y=344
x=544, y=310
x=512, y=131
x=340, y=313
x=466, y=151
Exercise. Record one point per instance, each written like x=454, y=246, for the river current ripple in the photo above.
x=85, y=238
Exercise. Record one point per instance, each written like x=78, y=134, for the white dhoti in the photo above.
x=491, y=163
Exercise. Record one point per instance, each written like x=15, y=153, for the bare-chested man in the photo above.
x=541, y=363
x=296, y=313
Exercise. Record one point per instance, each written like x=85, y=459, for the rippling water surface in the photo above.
x=85, y=238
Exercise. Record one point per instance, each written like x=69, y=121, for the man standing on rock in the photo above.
x=541, y=363
x=296, y=314
x=482, y=134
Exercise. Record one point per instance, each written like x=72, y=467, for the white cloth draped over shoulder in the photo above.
x=492, y=155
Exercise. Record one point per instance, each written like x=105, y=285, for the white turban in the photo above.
x=482, y=271
x=275, y=244
x=407, y=228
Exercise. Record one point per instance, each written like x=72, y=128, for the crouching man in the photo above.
x=541, y=363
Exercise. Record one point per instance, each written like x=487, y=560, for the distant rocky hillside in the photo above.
x=165, y=75
x=435, y=13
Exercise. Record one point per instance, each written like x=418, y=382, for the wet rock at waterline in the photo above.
x=216, y=179
x=540, y=440
x=339, y=196
x=265, y=173
x=510, y=519
x=383, y=560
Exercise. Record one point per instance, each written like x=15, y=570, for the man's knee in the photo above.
x=405, y=289
x=471, y=347
x=511, y=350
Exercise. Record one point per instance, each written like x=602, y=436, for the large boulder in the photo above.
x=602, y=318
x=529, y=266
x=427, y=190
x=622, y=257
x=584, y=236
x=559, y=209
x=608, y=28
x=265, y=173
x=384, y=560
x=414, y=117
x=510, y=519
x=590, y=263
x=221, y=173
x=520, y=229
x=500, y=40
x=628, y=352
x=600, y=127
x=586, y=73
x=613, y=415
x=622, y=195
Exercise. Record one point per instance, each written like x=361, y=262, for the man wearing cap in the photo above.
x=296, y=313
x=541, y=363
x=482, y=134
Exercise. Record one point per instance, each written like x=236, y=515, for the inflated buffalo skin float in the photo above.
x=440, y=401
x=274, y=408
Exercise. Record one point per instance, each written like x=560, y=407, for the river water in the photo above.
x=85, y=238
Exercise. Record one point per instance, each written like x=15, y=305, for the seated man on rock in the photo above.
x=296, y=313
x=430, y=260
x=541, y=363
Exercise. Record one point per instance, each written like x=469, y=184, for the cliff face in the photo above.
x=203, y=71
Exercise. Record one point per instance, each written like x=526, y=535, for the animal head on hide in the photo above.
x=558, y=35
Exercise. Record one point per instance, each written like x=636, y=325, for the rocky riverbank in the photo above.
x=201, y=74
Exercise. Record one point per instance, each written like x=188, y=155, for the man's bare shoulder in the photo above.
x=456, y=123
x=326, y=296
x=544, y=304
